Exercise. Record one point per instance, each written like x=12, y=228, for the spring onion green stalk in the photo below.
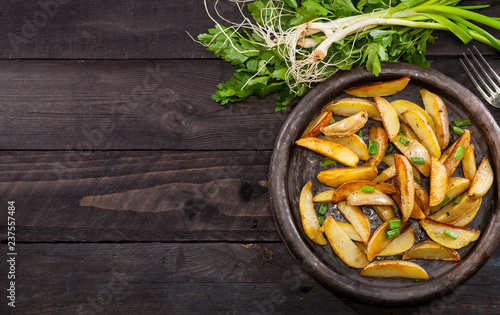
x=360, y=134
x=417, y=179
x=392, y=233
x=417, y=160
x=457, y=200
x=368, y=189
x=394, y=224
x=461, y=123
x=327, y=161
x=458, y=131
x=459, y=154
x=321, y=221
x=286, y=46
x=372, y=147
x=390, y=148
x=404, y=141
x=322, y=209
x=445, y=200
x=451, y=234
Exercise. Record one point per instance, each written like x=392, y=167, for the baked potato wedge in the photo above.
x=456, y=153
x=389, y=117
x=394, y=268
x=423, y=131
x=469, y=163
x=464, y=221
x=313, y=129
x=402, y=106
x=405, y=185
x=343, y=246
x=350, y=106
x=385, y=88
x=357, y=218
x=436, y=108
x=413, y=149
x=482, y=181
x=324, y=196
x=376, y=198
x=378, y=135
x=389, y=160
x=399, y=244
x=309, y=217
x=386, y=174
x=355, y=143
x=350, y=231
x=378, y=240
x=454, y=188
x=430, y=250
x=337, y=176
x=453, y=213
x=330, y=149
x=436, y=231
x=347, y=126
x=385, y=213
x=422, y=198
x=439, y=182
x=346, y=189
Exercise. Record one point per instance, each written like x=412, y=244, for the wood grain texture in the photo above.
x=212, y=278
x=153, y=29
x=137, y=196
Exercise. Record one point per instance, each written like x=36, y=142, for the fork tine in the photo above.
x=485, y=73
x=476, y=84
x=495, y=75
x=478, y=76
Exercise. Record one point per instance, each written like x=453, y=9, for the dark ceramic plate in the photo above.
x=292, y=166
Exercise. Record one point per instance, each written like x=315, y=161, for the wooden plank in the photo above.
x=183, y=278
x=137, y=196
x=153, y=29
x=135, y=105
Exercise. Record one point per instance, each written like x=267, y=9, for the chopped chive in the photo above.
x=418, y=180
x=394, y=224
x=322, y=208
x=321, y=221
x=390, y=148
x=404, y=141
x=450, y=234
x=360, y=134
x=372, y=147
x=418, y=160
x=445, y=200
x=417, y=280
x=401, y=132
x=457, y=200
x=332, y=120
x=460, y=123
x=368, y=189
x=391, y=233
x=458, y=131
x=459, y=154
x=327, y=161
x=395, y=209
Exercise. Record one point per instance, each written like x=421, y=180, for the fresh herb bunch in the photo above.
x=289, y=45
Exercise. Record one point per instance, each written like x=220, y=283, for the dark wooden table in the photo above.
x=134, y=192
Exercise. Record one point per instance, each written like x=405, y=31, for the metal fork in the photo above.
x=489, y=90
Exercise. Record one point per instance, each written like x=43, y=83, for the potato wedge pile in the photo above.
x=411, y=148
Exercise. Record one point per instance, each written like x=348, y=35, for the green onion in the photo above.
x=417, y=179
x=404, y=141
x=390, y=148
x=445, y=200
x=322, y=209
x=372, y=147
x=401, y=132
x=418, y=160
x=391, y=233
x=417, y=280
x=395, y=209
x=459, y=154
x=368, y=189
x=394, y=224
x=450, y=234
x=457, y=200
x=327, y=161
x=332, y=120
x=360, y=134
x=458, y=131
x=321, y=221
x=460, y=123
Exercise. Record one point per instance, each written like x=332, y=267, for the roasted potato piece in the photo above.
x=399, y=244
x=347, y=188
x=436, y=231
x=469, y=163
x=386, y=174
x=389, y=160
x=351, y=106
x=439, y=181
x=482, y=181
x=354, y=143
x=324, y=196
x=402, y=106
x=405, y=185
x=436, y=108
x=452, y=213
x=456, y=153
x=380, y=88
x=313, y=129
x=347, y=126
x=417, y=212
x=330, y=149
x=407, y=131
x=455, y=187
x=385, y=213
x=337, y=176
x=465, y=220
x=377, y=134
x=394, y=268
x=422, y=198
x=357, y=218
x=430, y=250
x=389, y=117
x=378, y=241
x=309, y=217
x=414, y=149
x=350, y=231
x=343, y=246
x=423, y=131
x=376, y=198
